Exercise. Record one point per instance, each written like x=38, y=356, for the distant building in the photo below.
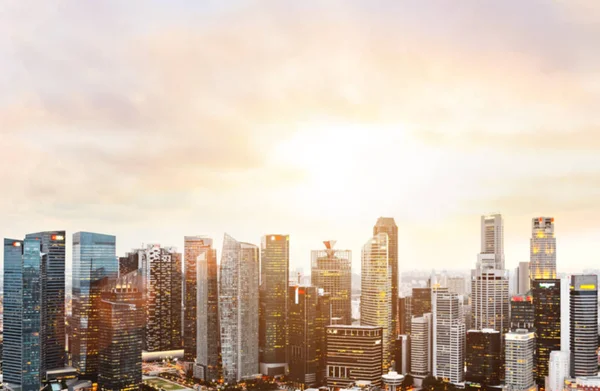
x=448, y=337
x=542, y=264
x=238, y=308
x=483, y=358
x=405, y=314
x=521, y=312
x=274, y=282
x=376, y=292
x=363, y=362
x=520, y=361
x=403, y=354
x=490, y=296
x=420, y=346
x=457, y=285
x=332, y=271
x=584, y=325
x=558, y=371
x=523, y=279
x=120, y=336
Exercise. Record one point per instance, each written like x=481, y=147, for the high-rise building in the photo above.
x=405, y=314
x=160, y=269
x=403, y=354
x=361, y=363
x=238, y=309
x=120, y=335
x=22, y=353
x=542, y=264
x=521, y=312
x=448, y=337
x=323, y=320
x=490, y=296
x=53, y=299
x=421, y=301
x=520, y=360
x=274, y=282
x=303, y=343
x=332, y=271
x=584, y=325
x=94, y=261
x=492, y=238
x=558, y=371
x=457, y=285
x=129, y=263
x=192, y=248
x=208, y=329
x=547, y=324
x=376, y=292
x=421, y=345
x=483, y=358
x=388, y=225
x=523, y=279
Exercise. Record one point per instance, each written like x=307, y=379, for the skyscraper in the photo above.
x=376, y=292
x=332, y=271
x=209, y=336
x=543, y=249
x=523, y=278
x=421, y=301
x=492, y=238
x=120, y=335
x=193, y=246
x=274, y=281
x=161, y=275
x=547, y=323
x=558, y=370
x=21, y=354
x=448, y=337
x=521, y=312
x=421, y=346
x=94, y=261
x=362, y=362
x=520, y=360
x=405, y=314
x=238, y=307
x=483, y=358
x=584, y=325
x=53, y=299
x=388, y=225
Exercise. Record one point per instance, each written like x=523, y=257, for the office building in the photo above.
x=421, y=301
x=420, y=346
x=53, y=299
x=274, y=282
x=547, y=324
x=376, y=292
x=521, y=312
x=238, y=309
x=94, y=262
x=490, y=293
x=363, y=362
x=208, y=329
x=129, y=263
x=403, y=354
x=542, y=264
x=160, y=269
x=388, y=226
x=120, y=335
x=492, y=238
x=323, y=320
x=522, y=277
x=520, y=360
x=558, y=371
x=192, y=248
x=448, y=337
x=584, y=325
x=22, y=351
x=405, y=314
x=483, y=358
x=332, y=271
x=457, y=285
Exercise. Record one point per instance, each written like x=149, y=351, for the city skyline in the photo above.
x=447, y=124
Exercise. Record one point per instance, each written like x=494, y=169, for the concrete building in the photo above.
x=558, y=371
x=448, y=337
x=521, y=312
x=520, y=361
x=421, y=346
x=522, y=277
x=483, y=358
x=542, y=263
x=584, y=325
x=490, y=296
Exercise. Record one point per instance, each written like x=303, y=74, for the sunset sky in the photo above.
x=153, y=120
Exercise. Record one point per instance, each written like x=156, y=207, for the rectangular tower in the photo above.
x=483, y=358
x=542, y=264
x=388, y=225
x=421, y=346
x=547, y=324
x=584, y=325
x=303, y=342
x=448, y=337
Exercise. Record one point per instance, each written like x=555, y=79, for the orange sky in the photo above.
x=153, y=121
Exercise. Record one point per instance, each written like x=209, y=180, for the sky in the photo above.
x=154, y=120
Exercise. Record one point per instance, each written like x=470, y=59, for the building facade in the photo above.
x=448, y=337
x=238, y=309
x=94, y=262
x=332, y=271
x=405, y=314
x=523, y=278
x=490, y=295
x=542, y=264
x=521, y=312
x=421, y=301
x=520, y=361
x=547, y=312
x=421, y=346
x=376, y=292
x=361, y=363
x=483, y=359
x=584, y=325
x=274, y=282
x=388, y=225
x=558, y=371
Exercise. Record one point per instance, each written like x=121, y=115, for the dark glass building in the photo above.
x=521, y=312
x=94, y=261
x=388, y=225
x=483, y=359
x=546, y=303
x=405, y=314
x=53, y=299
x=120, y=336
x=302, y=328
x=584, y=325
x=21, y=354
x=129, y=263
x=274, y=281
x=421, y=301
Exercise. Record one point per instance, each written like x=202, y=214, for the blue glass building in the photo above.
x=94, y=262
x=22, y=313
